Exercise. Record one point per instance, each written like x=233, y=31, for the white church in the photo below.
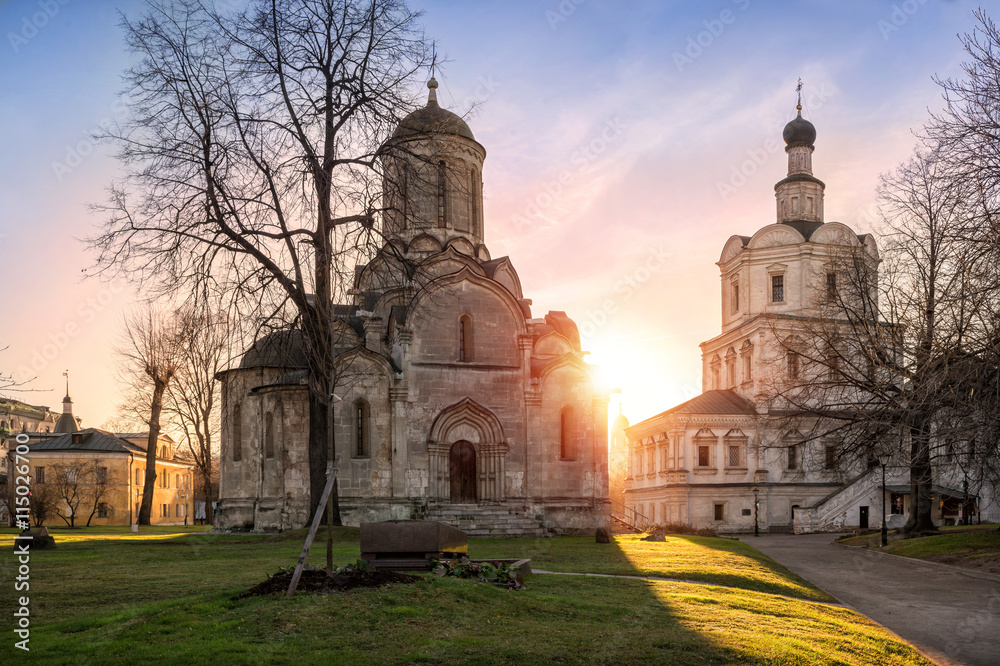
x=720, y=460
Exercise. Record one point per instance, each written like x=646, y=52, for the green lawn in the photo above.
x=108, y=596
x=973, y=546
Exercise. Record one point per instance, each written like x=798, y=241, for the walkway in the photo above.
x=950, y=615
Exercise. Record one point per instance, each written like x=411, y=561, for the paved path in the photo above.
x=952, y=616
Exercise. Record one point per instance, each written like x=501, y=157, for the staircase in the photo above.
x=484, y=520
x=628, y=518
x=830, y=514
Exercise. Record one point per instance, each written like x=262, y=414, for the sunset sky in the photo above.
x=626, y=141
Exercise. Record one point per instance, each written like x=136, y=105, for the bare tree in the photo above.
x=42, y=503
x=68, y=491
x=192, y=400
x=101, y=483
x=151, y=351
x=252, y=154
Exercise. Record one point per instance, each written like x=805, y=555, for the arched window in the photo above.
x=404, y=199
x=465, y=338
x=237, y=435
x=473, y=201
x=567, y=434
x=442, y=199
x=731, y=368
x=746, y=353
x=716, y=372
x=360, y=429
x=269, y=435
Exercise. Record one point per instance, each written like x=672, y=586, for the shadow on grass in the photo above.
x=108, y=600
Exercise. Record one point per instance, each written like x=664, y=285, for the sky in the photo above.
x=626, y=142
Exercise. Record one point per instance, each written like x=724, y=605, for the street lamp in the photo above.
x=756, y=506
x=883, y=460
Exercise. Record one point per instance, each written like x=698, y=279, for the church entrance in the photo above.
x=462, y=470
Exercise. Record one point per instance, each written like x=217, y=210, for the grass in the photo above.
x=108, y=596
x=969, y=546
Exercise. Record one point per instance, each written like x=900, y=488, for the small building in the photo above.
x=103, y=473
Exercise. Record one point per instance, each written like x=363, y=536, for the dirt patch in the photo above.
x=316, y=581
x=988, y=562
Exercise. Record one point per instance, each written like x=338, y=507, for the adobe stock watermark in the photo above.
x=898, y=17
x=562, y=12
x=58, y=340
x=32, y=23
x=739, y=175
x=624, y=289
x=22, y=500
x=714, y=27
x=587, y=153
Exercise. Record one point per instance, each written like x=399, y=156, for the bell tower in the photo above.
x=800, y=194
x=433, y=176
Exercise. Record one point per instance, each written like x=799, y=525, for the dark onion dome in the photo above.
x=432, y=119
x=281, y=349
x=66, y=424
x=799, y=131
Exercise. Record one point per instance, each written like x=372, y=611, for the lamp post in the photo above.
x=883, y=460
x=756, y=506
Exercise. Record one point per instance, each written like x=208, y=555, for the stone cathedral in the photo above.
x=454, y=403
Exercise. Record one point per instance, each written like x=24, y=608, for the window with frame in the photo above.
x=777, y=288
x=731, y=368
x=719, y=510
x=735, y=455
x=102, y=475
x=237, y=434
x=792, y=457
x=442, y=198
x=792, y=361
x=473, y=201
x=567, y=427
x=704, y=455
x=746, y=354
x=139, y=476
x=734, y=301
x=465, y=338
x=896, y=504
x=71, y=475
x=102, y=510
x=269, y=435
x=830, y=457
x=831, y=286
x=651, y=462
x=40, y=475
x=360, y=429
x=716, y=367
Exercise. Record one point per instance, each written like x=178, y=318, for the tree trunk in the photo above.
x=921, y=497
x=146, y=509
x=318, y=444
x=207, y=489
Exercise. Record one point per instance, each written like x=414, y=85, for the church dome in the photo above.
x=799, y=131
x=432, y=119
x=281, y=349
x=620, y=422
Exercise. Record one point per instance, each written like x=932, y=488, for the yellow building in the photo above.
x=97, y=476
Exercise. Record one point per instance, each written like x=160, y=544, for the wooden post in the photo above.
x=324, y=499
x=329, y=537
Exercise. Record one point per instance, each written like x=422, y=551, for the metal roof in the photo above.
x=711, y=402
x=90, y=439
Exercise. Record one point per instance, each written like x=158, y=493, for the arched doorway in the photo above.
x=462, y=471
